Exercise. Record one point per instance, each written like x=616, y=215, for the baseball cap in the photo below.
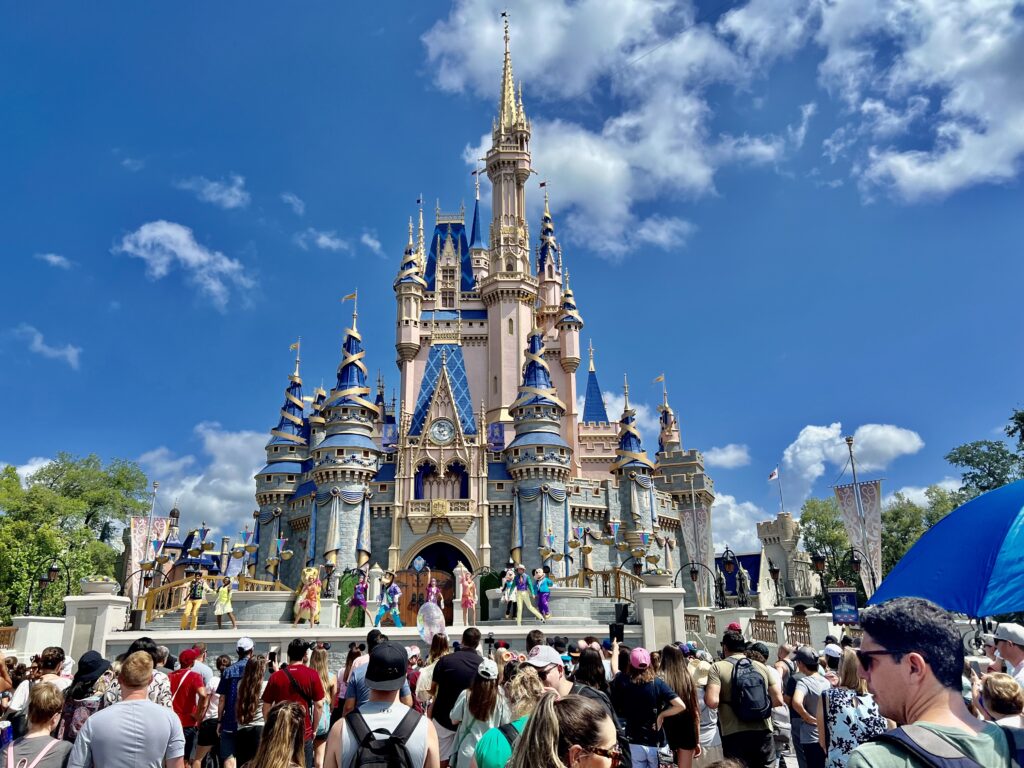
x=606, y=644
x=734, y=626
x=488, y=670
x=244, y=644
x=988, y=639
x=385, y=671
x=412, y=651
x=639, y=658
x=188, y=657
x=806, y=655
x=541, y=656
x=761, y=648
x=834, y=651
x=1011, y=633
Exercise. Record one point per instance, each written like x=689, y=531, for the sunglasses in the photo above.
x=614, y=754
x=867, y=658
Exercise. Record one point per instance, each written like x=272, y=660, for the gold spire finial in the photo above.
x=567, y=288
x=296, y=347
x=547, y=209
x=410, y=233
x=354, y=298
x=625, y=393
x=476, y=177
x=507, y=107
x=419, y=247
x=590, y=349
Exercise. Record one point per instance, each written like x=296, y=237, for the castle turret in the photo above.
x=598, y=436
x=549, y=265
x=347, y=459
x=477, y=243
x=410, y=287
x=631, y=454
x=539, y=458
x=668, y=437
x=287, y=449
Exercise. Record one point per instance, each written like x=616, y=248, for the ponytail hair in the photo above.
x=554, y=727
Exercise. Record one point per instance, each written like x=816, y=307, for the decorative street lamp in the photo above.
x=729, y=560
x=819, y=561
x=774, y=571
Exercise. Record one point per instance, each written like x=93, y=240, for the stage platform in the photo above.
x=267, y=637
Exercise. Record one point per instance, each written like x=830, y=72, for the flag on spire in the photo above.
x=774, y=475
x=294, y=346
x=658, y=378
x=350, y=297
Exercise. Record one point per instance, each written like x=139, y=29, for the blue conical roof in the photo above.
x=549, y=250
x=351, y=388
x=630, y=453
x=292, y=428
x=593, y=407
x=476, y=238
x=537, y=388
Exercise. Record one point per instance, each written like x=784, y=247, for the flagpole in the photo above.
x=860, y=506
x=778, y=479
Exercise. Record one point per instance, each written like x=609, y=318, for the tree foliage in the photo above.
x=61, y=512
x=986, y=465
x=904, y=522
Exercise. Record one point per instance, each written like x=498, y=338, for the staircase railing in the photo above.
x=613, y=583
x=169, y=597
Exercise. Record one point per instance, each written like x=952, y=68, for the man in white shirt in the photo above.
x=134, y=732
x=1010, y=646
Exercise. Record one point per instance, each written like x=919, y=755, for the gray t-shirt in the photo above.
x=27, y=749
x=129, y=734
x=206, y=672
x=812, y=686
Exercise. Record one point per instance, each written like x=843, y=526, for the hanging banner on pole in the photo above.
x=862, y=515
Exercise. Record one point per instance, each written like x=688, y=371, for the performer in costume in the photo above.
x=358, y=601
x=543, y=584
x=508, y=593
x=389, y=594
x=223, y=607
x=525, y=591
x=197, y=589
x=307, y=601
x=468, y=599
x=434, y=592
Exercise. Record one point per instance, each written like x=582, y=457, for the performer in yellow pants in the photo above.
x=524, y=594
x=197, y=588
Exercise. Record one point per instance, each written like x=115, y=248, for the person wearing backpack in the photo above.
x=806, y=700
x=383, y=732
x=742, y=692
x=912, y=657
x=36, y=748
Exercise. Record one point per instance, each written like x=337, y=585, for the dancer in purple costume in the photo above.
x=358, y=601
x=543, y=585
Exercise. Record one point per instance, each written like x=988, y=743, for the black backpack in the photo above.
x=380, y=748
x=748, y=692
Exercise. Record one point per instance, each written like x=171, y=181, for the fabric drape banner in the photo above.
x=862, y=515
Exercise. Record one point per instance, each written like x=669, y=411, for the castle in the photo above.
x=484, y=458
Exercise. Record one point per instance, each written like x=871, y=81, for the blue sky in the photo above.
x=805, y=215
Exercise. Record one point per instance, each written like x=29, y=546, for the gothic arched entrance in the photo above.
x=441, y=557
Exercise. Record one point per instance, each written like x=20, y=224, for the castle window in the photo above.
x=448, y=274
x=509, y=267
x=291, y=449
x=383, y=489
x=291, y=478
x=510, y=328
x=561, y=452
x=276, y=449
x=366, y=454
x=448, y=299
x=597, y=491
x=515, y=451
x=499, y=486
x=495, y=390
x=337, y=451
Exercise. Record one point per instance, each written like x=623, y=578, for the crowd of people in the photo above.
x=902, y=697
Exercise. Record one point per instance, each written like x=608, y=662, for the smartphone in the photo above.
x=272, y=657
x=977, y=668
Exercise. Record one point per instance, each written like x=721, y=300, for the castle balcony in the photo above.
x=422, y=513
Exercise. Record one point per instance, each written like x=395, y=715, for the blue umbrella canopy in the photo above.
x=971, y=561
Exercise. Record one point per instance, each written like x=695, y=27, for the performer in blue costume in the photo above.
x=389, y=594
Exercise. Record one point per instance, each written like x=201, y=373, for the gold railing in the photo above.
x=798, y=632
x=764, y=630
x=613, y=583
x=7, y=636
x=711, y=624
x=692, y=623
x=169, y=597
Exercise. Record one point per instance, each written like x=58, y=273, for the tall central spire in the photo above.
x=507, y=111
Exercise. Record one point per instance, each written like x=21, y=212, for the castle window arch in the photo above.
x=511, y=329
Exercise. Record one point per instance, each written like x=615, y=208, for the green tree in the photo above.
x=986, y=465
x=823, y=532
x=60, y=513
x=1016, y=429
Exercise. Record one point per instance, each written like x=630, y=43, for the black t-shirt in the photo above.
x=639, y=705
x=453, y=674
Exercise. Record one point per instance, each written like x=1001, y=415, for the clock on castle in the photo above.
x=484, y=458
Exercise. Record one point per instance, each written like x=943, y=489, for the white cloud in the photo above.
x=295, y=202
x=734, y=524
x=916, y=493
x=230, y=193
x=371, y=241
x=805, y=460
x=729, y=456
x=133, y=164
x=798, y=133
x=322, y=239
x=652, y=60
x=764, y=30
x=69, y=353
x=165, y=244
x=54, y=260
x=646, y=417
x=29, y=468
x=219, y=489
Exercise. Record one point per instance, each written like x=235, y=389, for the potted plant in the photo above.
x=99, y=585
